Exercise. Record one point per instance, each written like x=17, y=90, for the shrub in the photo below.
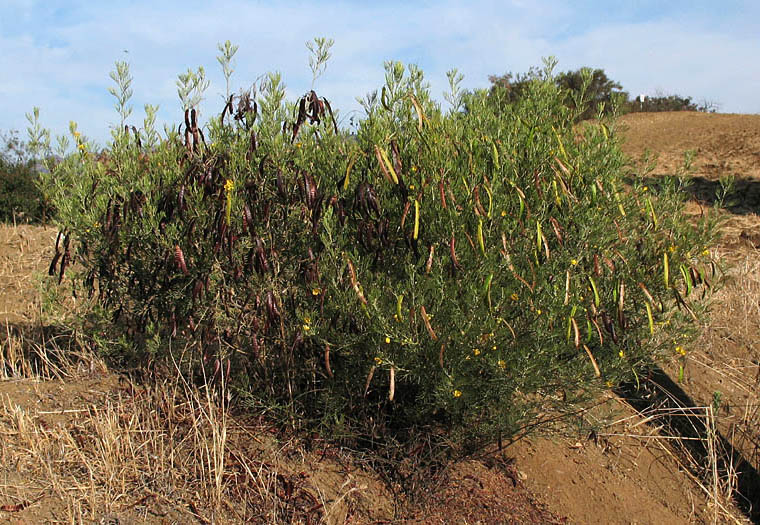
x=20, y=199
x=451, y=270
x=586, y=91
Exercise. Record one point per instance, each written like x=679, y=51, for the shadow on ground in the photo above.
x=681, y=418
x=742, y=197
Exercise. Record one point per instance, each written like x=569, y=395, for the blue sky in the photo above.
x=57, y=55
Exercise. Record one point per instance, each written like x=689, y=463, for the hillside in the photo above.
x=83, y=444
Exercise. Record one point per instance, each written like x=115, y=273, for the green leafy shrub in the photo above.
x=456, y=270
x=20, y=198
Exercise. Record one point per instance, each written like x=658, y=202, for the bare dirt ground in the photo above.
x=82, y=444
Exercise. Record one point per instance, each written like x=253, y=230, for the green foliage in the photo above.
x=20, y=199
x=669, y=103
x=589, y=93
x=454, y=271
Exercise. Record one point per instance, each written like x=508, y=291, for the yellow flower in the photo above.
x=608, y=383
x=316, y=291
x=502, y=364
x=503, y=213
x=574, y=262
x=378, y=361
x=306, y=328
x=77, y=134
x=538, y=312
x=705, y=252
x=514, y=297
x=621, y=354
x=672, y=249
x=229, y=185
x=298, y=144
x=387, y=340
x=476, y=351
x=680, y=350
x=645, y=188
x=81, y=147
x=414, y=169
x=493, y=347
x=457, y=393
x=411, y=186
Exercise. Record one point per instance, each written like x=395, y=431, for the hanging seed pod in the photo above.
x=426, y=321
x=179, y=259
x=392, y=387
x=327, y=361
x=273, y=312
x=597, y=372
x=54, y=262
x=396, y=156
x=369, y=380
x=620, y=305
x=261, y=261
x=197, y=289
x=576, y=333
x=248, y=220
x=598, y=331
x=310, y=191
x=609, y=327
x=478, y=207
x=355, y=282
x=453, y=253
x=429, y=262
x=66, y=256
x=281, y=186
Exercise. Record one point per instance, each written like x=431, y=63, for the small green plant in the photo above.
x=454, y=270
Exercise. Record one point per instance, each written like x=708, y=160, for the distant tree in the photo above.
x=20, y=199
x=585, y=87
x=587, y=91
x=590, y=88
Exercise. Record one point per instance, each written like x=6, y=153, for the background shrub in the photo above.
x=448, y=270
x=593, y=92
x=20, y=199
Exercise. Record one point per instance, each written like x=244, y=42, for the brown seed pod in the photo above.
x=426, y=321
x=248, y=220
x=609, y=327
x=179, y=259
x=453, y=253
x=576, y=333
x=392, y=388
x=396, y=156
x=369, y=380
x=442, y=194
x=271, y=303
x=429, y=263
x=54, y=263
x=557, y=230
x=479, y=210
x=355, y=281
x=327, y=361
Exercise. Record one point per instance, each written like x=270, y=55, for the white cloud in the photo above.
x=59, y=60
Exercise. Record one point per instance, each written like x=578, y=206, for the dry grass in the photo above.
x=82, y=445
